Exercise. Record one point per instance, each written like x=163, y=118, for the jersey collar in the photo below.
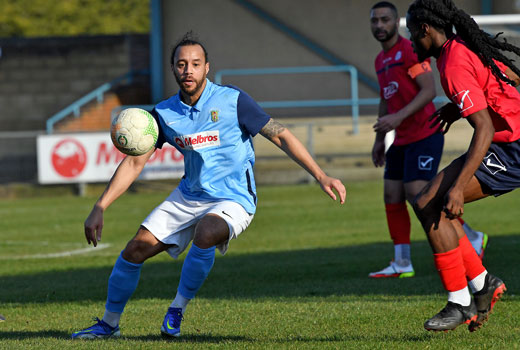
x=445, y=45
x=204, y=96
x=202, y=99
x=396, y=45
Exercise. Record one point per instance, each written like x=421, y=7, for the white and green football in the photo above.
x=134, y=131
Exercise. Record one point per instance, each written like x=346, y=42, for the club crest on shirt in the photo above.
x=214, y=115
x=462, y=100
x=390, y=90
x=398, y=55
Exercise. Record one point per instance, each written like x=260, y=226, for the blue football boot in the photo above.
x=171, y=326
x=98, y=331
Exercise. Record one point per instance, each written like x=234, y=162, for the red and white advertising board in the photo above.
x=91, y=157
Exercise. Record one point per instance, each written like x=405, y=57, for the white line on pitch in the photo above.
x=61, y=254
x=46, y=243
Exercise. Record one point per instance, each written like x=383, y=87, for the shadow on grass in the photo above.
x=216, y=339
x=200, y=338
x=20, y=335
x=297, y=273
x=190, y=338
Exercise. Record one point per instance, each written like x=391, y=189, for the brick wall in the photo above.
x=40, y=76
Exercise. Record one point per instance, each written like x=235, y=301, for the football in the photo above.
x=134, y=131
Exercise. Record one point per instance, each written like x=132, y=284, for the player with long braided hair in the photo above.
x=445, y=15
x=407, y=88
x=479, y=80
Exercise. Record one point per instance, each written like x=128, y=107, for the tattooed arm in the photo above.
x=287, y=142
x=271, y=129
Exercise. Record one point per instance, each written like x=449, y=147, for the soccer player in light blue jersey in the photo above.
x=212, y=126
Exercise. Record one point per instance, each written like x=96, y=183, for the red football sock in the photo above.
x=472, y=262
x=398, y=221
x=450, y=266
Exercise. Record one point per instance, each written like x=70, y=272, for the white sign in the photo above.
x=83, y=158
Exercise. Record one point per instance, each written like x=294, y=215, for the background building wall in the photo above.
x=506, y=7
x=39, y=77
x=236, y=38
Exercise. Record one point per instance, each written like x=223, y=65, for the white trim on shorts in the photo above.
x=173, y=221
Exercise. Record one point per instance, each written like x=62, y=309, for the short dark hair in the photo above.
x=188, y=39
x=385, y=4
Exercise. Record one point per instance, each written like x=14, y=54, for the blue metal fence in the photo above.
x=354, y=101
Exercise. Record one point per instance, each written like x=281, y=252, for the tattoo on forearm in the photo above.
x=271, y=129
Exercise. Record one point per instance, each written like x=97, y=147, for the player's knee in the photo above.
x=135, y=252
x=410, y=197
x=210, y=231
x=428, y=212
x=420, y=206
x=205, y=238
x=389, y=197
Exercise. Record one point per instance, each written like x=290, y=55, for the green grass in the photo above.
x=296, y=279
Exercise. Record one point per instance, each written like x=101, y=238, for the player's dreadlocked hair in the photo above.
x=443, y=14
x=187, y=39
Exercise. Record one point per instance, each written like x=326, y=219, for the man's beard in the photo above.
x=388, y=36
x=193, y=90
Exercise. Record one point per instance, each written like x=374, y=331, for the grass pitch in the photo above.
x=296, y=279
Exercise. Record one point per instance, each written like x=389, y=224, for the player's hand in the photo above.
x=94, y=225
x=444, y=117
x=329, y=185
x=388, y=122
x=378, y=153
x=454, y=204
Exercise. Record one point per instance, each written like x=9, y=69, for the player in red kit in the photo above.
x=407, y=89
x=479, y=80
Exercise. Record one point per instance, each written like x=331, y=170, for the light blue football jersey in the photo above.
x=215, y=138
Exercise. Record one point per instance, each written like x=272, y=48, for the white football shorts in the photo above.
x=174, y=220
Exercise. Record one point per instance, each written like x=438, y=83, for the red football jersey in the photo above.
x=472, y=86
x=396, y=70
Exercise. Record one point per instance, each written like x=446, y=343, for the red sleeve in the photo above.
x=462, y=88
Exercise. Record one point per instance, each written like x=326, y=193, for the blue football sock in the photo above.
x=121, y=284
x=196, y=267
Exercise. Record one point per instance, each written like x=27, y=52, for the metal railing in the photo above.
x=302, y=39
x=484, y=19
x=97, y=94
x=354, y=100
